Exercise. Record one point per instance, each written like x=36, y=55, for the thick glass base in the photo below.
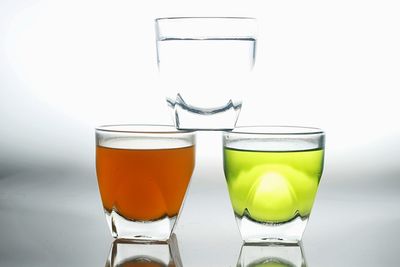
x=188, y=117
x=271, y=255
x=140, y=231
x=289, y=232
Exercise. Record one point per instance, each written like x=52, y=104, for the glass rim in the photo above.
x=204, y=17
x=275, y=130
x=141, y=129
x=205, y=27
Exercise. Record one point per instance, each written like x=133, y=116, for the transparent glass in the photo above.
x=143, y=172
x=126, y=253
x=273, y=173
x=252, y=255
x=205, y=64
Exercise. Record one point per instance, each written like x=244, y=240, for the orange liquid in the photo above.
x=144, y=184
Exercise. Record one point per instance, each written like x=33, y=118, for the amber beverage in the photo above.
x=143, y=172
x=144, y=184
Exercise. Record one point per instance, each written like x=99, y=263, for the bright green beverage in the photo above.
x=270, y=264
x=272, y=187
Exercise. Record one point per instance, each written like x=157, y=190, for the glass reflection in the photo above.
x=124, y=253
x=271, y=255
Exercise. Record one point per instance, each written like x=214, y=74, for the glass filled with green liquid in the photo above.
x=273, y=173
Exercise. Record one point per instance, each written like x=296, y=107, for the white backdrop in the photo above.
x=66, y=66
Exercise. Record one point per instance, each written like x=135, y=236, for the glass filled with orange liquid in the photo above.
x=143, y=172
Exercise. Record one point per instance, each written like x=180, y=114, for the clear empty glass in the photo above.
x=204, y=63
x=273, y=173
x=143, y=172
x=271, y=256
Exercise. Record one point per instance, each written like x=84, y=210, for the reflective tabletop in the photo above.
x=53, y=217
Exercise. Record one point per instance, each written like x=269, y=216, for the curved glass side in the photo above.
x=188, y=117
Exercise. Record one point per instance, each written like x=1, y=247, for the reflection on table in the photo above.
x=125, y=253
x=271, y=255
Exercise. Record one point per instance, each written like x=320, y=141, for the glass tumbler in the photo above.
x=205, y=64
x=273, y=173
x=143, y=172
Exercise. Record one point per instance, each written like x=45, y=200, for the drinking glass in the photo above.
x=143, y=172
x=204, y=63
x=273, y=173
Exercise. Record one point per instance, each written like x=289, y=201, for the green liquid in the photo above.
x=270, y=264
x=272, y=187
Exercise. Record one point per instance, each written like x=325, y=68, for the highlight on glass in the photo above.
x=272, y=174
x=143, y=173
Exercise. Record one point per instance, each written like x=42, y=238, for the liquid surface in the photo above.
x=269, y=264
x=144, y=184
x=144, y=262
x=272, y=187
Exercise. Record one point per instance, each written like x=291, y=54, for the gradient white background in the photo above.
x=67, y=66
